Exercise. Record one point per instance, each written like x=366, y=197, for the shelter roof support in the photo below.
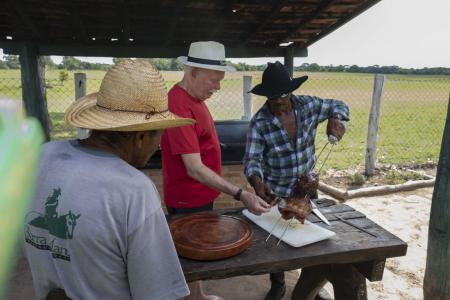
x=289, y=60
x=436, y=284
x=33, y=86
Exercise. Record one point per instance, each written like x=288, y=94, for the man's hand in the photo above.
x=261, y=189
x=336, y=128
x=255, y=204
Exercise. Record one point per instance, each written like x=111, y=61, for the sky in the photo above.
x=406, y=33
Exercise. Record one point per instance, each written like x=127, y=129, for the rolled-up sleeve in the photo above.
x=328, y=108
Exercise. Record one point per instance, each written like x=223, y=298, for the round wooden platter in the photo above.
x=210, y=236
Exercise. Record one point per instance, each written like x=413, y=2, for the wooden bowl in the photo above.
x=210, y=236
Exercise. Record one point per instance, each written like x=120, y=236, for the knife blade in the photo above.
x=318, y=213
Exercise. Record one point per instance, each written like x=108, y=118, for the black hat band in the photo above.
x=206, y=61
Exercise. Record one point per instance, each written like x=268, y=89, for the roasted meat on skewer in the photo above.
x=299, y=205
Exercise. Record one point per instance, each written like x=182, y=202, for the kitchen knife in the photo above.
x=317, y=212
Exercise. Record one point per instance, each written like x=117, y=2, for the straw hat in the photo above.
x=132, y=97
x=207, y=55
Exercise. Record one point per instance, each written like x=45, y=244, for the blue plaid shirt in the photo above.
x=270, y=152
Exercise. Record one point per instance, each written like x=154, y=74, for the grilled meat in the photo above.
x=299, y=205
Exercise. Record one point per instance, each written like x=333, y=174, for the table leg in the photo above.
x=311, y=280
x=348, y=283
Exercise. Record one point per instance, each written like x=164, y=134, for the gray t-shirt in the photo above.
x=96, y=229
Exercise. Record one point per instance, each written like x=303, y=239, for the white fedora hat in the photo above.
x=207, y=55
x=132, y=97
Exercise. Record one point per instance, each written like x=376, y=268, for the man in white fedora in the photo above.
x=95, y=229
x=191, y=158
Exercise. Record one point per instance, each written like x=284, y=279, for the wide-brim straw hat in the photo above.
x=207, y=55
x=132, y=97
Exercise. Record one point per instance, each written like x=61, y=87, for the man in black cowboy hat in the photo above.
x=280, y=141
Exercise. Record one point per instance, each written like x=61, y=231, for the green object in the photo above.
x=20, y=143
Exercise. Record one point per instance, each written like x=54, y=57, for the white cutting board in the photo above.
x=296, y=235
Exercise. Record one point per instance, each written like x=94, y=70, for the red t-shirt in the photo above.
x=180, y=190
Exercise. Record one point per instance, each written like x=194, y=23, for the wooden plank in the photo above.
x=113, y=50
x=437, y=277
x=174, y=20
x=322, y=5
x=80, y=30
x=365, y=5
x=274, y=11
x=374, y=119
x=124, y=12
x=25, y=18
x=33, y=86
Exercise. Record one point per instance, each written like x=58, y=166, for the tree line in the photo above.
x=172, y=64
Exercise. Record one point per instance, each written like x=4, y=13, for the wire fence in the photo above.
x=413, y=111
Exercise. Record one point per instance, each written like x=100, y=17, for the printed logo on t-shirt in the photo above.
x=59, y=226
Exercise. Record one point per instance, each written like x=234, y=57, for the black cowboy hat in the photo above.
x=276, y=81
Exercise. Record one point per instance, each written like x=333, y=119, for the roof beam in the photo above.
x=17, y=5
x=319, y=9
x=363, y=7
x=264, y=21
x=226, y=13
x=125, y=30
x=76, y=19
x=115, y=50
x=174, y=21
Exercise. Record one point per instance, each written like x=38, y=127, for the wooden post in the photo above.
x=374, y=120
x=289, y=60
x=247, y=86
x=80, y=91
x=33, y=86
x=436, y=284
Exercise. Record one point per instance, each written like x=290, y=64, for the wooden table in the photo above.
x=345, y=260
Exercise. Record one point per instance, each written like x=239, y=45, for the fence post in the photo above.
x=247, y=86
x=374, y=120
x=80, y=91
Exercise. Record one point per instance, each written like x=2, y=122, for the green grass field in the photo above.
x=412, y=114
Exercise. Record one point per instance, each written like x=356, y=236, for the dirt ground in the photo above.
x=404, y=214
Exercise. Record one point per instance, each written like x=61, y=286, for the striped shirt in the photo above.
x=270, y=152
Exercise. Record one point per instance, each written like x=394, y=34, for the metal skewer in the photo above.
x=285, y=229
x=317, y=157
x=325, y=160
x=355, y=226
x=274, y=226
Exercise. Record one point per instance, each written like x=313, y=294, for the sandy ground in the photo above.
x=404, y=214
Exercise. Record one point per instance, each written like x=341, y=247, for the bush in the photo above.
x=357, y=179
x=63, y=76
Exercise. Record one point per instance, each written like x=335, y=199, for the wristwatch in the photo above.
x=237, y=196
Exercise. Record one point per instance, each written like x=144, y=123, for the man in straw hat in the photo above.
x=280, y=142
x=191, y=154
x=107, y=236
